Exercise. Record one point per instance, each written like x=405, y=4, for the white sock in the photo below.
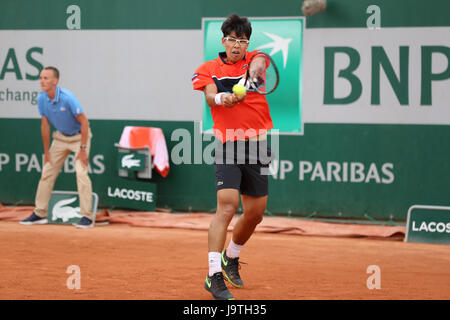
x=233, y=250
x=214, y=259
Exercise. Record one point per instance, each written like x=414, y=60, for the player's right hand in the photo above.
x=240, y=97
x=229, y=100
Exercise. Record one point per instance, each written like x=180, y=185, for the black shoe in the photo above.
x=231, y=268
x=216, y=285
x=33, y=219
x=84, y=223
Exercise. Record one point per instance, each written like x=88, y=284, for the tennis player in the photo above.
x=241, y=123
x=59, y=107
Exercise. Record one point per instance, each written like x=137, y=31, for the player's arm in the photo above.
x=45, y=132
x=82, y=155
x=84, y=128
x=214, y=99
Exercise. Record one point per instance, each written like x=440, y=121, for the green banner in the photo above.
x=64, y=207
x=167, y=15
x=282, y=39
x=125, y=193
x=359, y=170
x=428, y=224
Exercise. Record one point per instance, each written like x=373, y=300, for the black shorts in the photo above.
x=243, y=165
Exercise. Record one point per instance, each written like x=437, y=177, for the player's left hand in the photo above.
x=229, y=100
x=82, y=156
x=240, y=97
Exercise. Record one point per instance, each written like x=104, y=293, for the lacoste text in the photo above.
x=130, y=194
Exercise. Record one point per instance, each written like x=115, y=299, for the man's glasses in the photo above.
x=233, y=41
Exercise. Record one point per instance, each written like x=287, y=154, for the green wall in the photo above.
x=419, y=158
x=181, y=14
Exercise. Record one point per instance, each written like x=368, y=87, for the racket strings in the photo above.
x=271, y=79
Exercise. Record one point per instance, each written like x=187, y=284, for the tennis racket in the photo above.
x=267, y=81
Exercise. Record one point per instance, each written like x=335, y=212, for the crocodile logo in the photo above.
x=128, y=161
x=63, y=211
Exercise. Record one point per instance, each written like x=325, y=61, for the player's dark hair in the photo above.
x=55, y=71
x=238, y=24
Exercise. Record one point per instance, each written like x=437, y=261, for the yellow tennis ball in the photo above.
x=239, y=89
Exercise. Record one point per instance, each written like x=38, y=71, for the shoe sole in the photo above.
x=29, y=223
x=231, y=282
x=83, y=227
x=101, y=224
x=215, y=297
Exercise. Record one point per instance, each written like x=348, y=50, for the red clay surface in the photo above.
x=124, y=262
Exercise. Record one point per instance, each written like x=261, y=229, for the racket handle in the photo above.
x=243, y=82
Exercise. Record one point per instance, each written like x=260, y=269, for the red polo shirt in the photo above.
x=245, y=120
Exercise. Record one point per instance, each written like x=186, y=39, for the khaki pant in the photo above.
x=59, y=150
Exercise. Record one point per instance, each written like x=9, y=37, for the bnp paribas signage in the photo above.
x=282, y=39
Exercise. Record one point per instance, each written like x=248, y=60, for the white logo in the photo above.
x=130, y=194
x=61, y=210
x=432, y=227
x=128, y=161
x=278, y=44
x=74, y=281
x=374, y=281
x=220, y=183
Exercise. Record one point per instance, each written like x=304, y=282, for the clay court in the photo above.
x=121, y=261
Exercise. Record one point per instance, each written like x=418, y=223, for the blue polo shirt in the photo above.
x=61, y=111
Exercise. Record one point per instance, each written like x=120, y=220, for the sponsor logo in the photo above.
x=278, y=44
x=224, y=261
x=208, y=282
x=333, y=171
x=23, y=162
x=129, y=162
x=63, y=211
x=432, y=227
x=428, y=224
x=10, y=67
x=130, y=194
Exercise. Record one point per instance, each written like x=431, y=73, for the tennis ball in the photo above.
x=239, y=89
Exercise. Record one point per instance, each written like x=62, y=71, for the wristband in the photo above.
x=83, y=147
x=218, y=98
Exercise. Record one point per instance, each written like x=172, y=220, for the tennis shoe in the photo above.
x=217, y=287
x=84, y=223
x=230, y=267
x=33, y=219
